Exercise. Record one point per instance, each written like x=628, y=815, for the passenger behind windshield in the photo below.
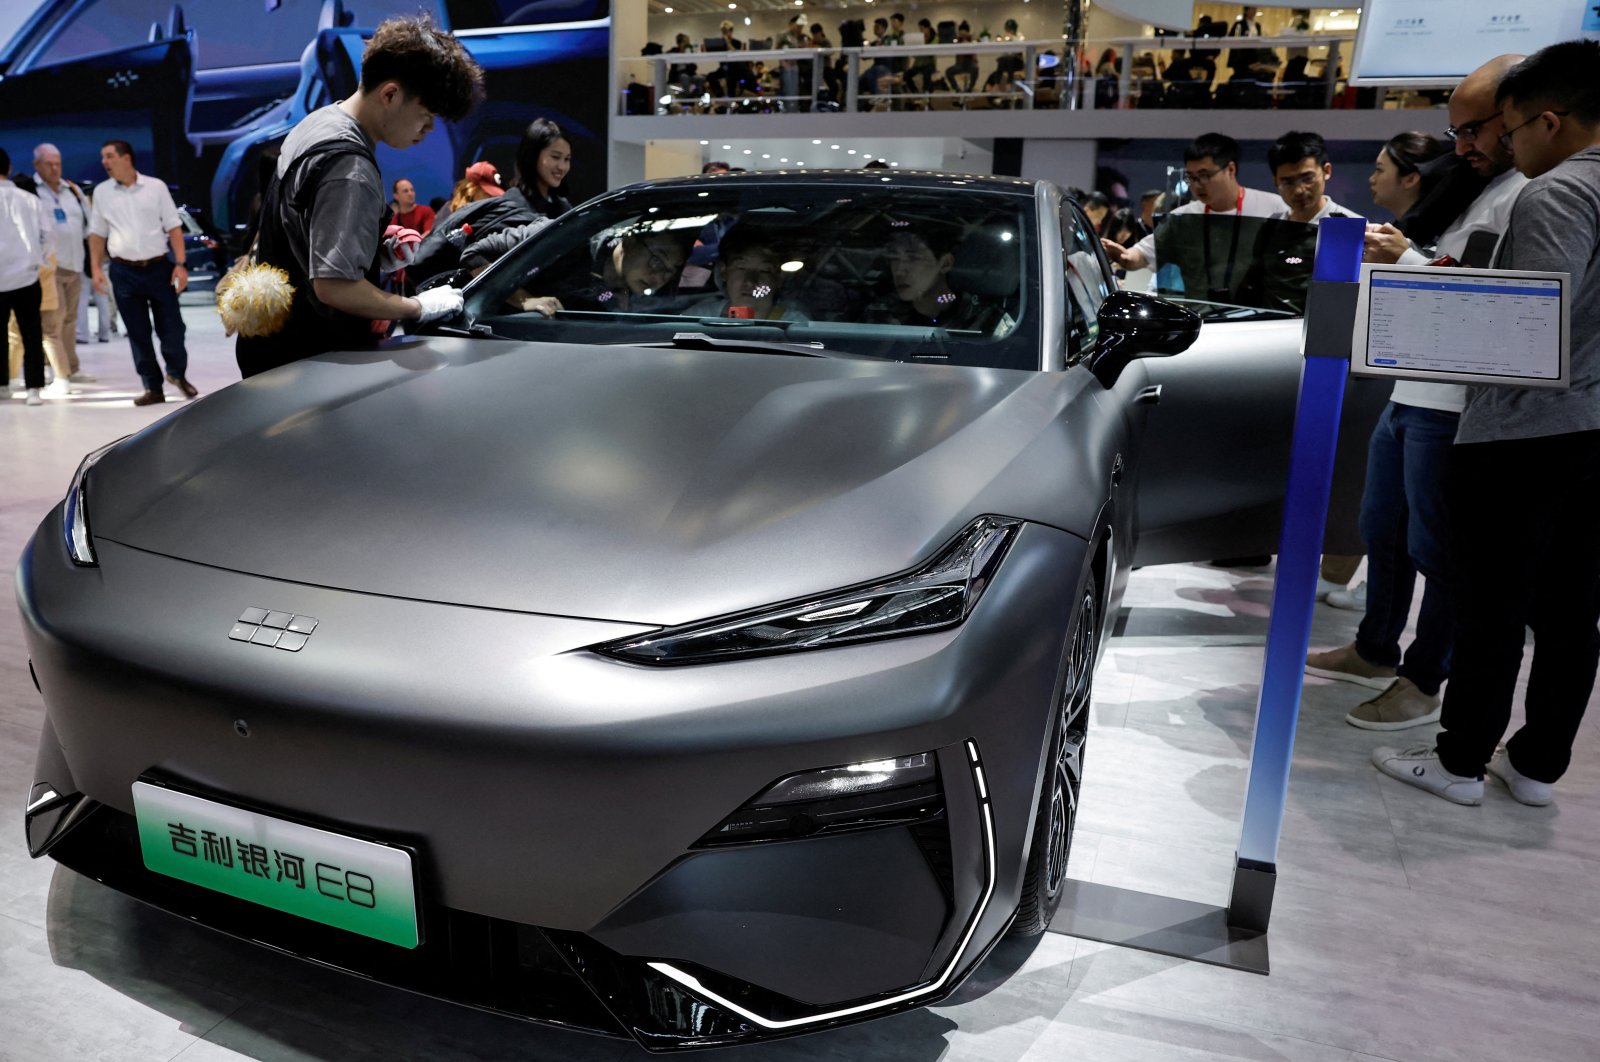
x=749, y=279
x=920, y=258
x=636, y=273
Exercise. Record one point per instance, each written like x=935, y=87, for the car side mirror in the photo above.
x=1134, y=325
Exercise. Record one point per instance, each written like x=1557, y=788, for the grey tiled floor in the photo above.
x=1405, y=928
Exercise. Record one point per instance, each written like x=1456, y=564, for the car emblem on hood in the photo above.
x=283, y=630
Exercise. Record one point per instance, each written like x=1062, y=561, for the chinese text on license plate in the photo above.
x=340, y=881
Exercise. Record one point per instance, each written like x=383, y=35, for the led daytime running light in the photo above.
x=936, y=596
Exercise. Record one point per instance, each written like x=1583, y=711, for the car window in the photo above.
x=1234, y=267
x=942, y=276
x=1087, y=285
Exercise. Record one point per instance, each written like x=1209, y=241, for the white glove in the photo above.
x=438, y=303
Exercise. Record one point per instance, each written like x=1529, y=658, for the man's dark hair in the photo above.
x=879, y=22
x=1558, y=78
x=1218, y=147
x=1294, y=146
x=716, y=164
x=121, y=147
x=5, y=163
x=426, y=62
x=898, y=17
x=876, y=164
x=540, y=134
x=1094, y=199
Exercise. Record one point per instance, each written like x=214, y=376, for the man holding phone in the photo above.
x=134, y=223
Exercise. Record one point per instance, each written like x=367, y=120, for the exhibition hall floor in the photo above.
x=1405, y=928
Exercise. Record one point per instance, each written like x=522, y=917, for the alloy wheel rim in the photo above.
x=1066, y=771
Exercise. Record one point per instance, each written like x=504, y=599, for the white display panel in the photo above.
x=1438, y=42
x=1466, y=326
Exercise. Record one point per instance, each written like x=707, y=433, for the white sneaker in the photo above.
x=1354, y=600
x=1524, y=790
x=59, y=388
x=18, y=386
x=81, y=377
x=1419, y=766
x=33, y=398
x=1326, y=587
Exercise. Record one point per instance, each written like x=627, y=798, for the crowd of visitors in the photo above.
x=1183, y=73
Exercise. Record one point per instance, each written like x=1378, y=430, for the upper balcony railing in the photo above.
x=1299, y=72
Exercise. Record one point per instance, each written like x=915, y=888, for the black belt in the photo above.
x=144, y=263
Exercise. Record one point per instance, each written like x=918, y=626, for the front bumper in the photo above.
x=555, y=798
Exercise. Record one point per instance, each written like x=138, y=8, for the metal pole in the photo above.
x=1330, y=74
x=852, y=73
x=1330, y=317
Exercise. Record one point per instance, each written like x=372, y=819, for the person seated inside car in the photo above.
x=920, y=260
x=749, y=278
x=632, y=274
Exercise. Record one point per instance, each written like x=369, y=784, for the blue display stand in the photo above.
x=1330, y=319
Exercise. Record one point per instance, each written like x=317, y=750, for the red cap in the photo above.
x=484, y=176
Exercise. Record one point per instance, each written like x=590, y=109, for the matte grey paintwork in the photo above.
x=545, y=783
x=642, y=485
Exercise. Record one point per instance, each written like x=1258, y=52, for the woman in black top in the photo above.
x=543, y=160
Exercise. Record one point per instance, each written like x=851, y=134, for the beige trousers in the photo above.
x=70, y=287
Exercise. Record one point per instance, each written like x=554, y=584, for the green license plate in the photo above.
x=340, y=881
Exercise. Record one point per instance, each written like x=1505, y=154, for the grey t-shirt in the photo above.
x=340, y=237
x=1555, y=225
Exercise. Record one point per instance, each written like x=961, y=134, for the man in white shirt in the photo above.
x=1403, y=521
x=1211, y=163
x=134, y=223
x=65, y=205
x=27, y=243
x=1284, y=254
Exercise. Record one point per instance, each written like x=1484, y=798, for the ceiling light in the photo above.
x=783, y=160
x=894, y=164
x=816, y=141
x=834, y=146
x=727, y=147
x=747, y=151
x=747, y=20
x=766, y=156
x=852, y=151
x=668, y=10
x=792, y=267
x=703, y=143
x=799, y=164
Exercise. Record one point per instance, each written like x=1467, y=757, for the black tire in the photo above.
x=1046, y=875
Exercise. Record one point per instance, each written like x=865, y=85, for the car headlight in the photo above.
x=932, y=597
x=75, y=511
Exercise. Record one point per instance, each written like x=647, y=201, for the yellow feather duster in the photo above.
x=254, y=300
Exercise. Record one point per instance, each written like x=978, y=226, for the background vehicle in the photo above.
x=205, y=92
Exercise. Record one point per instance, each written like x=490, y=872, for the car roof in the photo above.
x=857, y=177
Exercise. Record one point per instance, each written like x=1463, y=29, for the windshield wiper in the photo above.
x=701, y=341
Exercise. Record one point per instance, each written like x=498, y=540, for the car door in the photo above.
x=1215, y=460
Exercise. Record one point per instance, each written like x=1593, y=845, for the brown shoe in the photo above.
x=189, y=390
x=1346, y=665
x=1400, y=706
x=150, y=398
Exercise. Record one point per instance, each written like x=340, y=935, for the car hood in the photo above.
x=646, y=485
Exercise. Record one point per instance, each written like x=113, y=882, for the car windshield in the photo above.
x=941, y=275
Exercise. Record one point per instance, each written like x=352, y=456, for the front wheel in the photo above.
x=1046, y=875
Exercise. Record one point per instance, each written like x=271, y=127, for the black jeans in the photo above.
x=143, y=292
x=1525, y=527
x=24, y=302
